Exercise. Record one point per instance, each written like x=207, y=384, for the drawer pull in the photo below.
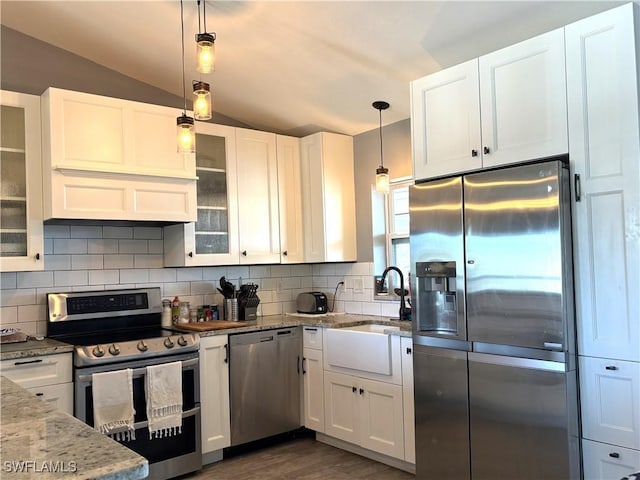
x=310, y=329
x=39, y=394
x=614, y=455
x=611, y=367
x=27, y=362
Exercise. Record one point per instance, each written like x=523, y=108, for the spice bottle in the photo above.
x=175, y=310
x=166, y=313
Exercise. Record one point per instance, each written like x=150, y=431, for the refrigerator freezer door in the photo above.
x=437, y=259
x=523, y=420
x=516, y=264
x=441, y=412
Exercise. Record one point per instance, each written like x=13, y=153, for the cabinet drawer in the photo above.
x=610, y=396
x=312, y=337
x=60, y=396
x=606, y=462
x=38, y=371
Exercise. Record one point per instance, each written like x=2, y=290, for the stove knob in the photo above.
x=168, y=342
x=98, y=351
x=114, y=350
x=182, y=341
x=143, y=347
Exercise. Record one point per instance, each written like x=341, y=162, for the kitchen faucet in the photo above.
x=402, y=313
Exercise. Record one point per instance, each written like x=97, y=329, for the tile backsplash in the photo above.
x=81, y=258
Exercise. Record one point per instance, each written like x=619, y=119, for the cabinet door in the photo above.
x=523, y=99
x=604, y=148
x=312, y=177
x=610, y=396
x=258, y=216
x=59, y=395
x=382, y=419
x=38, y=371
x=214, y=393
x=21, y=239
x=342, y=407
x=290, y=199
x=445, y=118
x=606, y=462
x=313, y=375
x=406, y=345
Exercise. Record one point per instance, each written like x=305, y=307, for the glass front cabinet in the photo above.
x=213, y=239
x=21, y=238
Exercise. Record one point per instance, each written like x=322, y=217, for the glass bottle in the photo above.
x=166, y=313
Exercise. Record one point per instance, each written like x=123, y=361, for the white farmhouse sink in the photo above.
x=363, y=347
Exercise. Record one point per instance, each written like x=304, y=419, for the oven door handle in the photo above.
x=143, y=370
x=186, y=414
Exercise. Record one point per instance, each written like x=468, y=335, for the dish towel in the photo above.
x=113, y=404
x=163, y=389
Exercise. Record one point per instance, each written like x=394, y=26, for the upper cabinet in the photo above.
x=213, y=239
x=604, y=148
x=328, y=198
x=21, y=239
x=113, y=159
x=258, y=212
x=505, y=107
x=290, y=199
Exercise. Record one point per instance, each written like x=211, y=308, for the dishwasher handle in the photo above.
x=266, y=339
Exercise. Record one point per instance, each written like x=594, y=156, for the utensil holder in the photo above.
x=231, y=309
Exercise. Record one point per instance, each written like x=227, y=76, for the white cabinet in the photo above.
x=365, y=412
x=313, y=384
x=21, y=239
x=214, y=393
x=213, y=239
x=111, y=159
x=48, y=377
x=602, y=83
x=505, y=107
x=328, y=198
x=258, y=215
x=406, y=346
x=610, y=401
x=290, y=199
x=608, y=462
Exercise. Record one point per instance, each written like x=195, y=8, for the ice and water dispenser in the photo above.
x=436, y=298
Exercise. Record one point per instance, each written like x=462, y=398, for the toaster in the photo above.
x=312, y=302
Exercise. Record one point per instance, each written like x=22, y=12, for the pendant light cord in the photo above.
x=204, y=14
x=381, y=161
x=184, y=88
x=199, y=30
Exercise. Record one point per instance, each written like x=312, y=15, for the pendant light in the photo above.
x=186, y=134
x=206, y=44
x=201, y=100
x=382, y=173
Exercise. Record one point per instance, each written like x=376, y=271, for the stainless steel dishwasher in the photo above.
x=264, y=370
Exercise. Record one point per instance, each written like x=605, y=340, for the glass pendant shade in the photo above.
x=206, y=52
x=186, y=135
x=201, y=101
x=382, y=180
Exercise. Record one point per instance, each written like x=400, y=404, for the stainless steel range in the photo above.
x=120, y=329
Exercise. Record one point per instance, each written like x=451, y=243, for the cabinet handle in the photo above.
x=26, y=362
x=40, y=394
x=310, y=329
x=190, y=254
x=298, y=364
x=284, y=253
x=304, y=370
x=37, y=256
x=611, y=367
x=577, y=186
x=486, y=150
x=474, y=153
x=244, y=253
x=354, y=389
x=614, y=455
x=226, y=353
x=408, y=350
x=362, y=391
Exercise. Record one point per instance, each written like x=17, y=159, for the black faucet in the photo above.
x=402, y=313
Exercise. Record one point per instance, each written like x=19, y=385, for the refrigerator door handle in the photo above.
x=517, y=362
x=553, y=345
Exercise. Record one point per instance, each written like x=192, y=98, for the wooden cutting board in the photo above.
x=205, y=326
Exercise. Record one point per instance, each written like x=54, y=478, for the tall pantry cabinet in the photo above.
x=604, y=147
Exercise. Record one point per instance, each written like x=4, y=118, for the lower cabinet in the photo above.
x=364, y=412
x=607, y=462
x=214, y=393
x=313, y=382
x=49, y=377
x=406, y=346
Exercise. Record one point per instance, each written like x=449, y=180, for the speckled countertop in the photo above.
x=53, y=445
x=327, y=321
x=32, y=348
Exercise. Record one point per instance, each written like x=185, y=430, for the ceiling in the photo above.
x=293, y=67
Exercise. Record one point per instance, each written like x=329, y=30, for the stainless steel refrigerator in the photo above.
x=494, y=328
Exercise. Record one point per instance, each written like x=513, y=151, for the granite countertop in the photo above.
x=53, y=445
x=326, y=321
x=33, y=348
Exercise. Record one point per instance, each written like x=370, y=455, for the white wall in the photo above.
x=81, y=258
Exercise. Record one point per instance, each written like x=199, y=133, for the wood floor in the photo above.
x=300, y=459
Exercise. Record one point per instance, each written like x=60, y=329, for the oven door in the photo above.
x=169, y=456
